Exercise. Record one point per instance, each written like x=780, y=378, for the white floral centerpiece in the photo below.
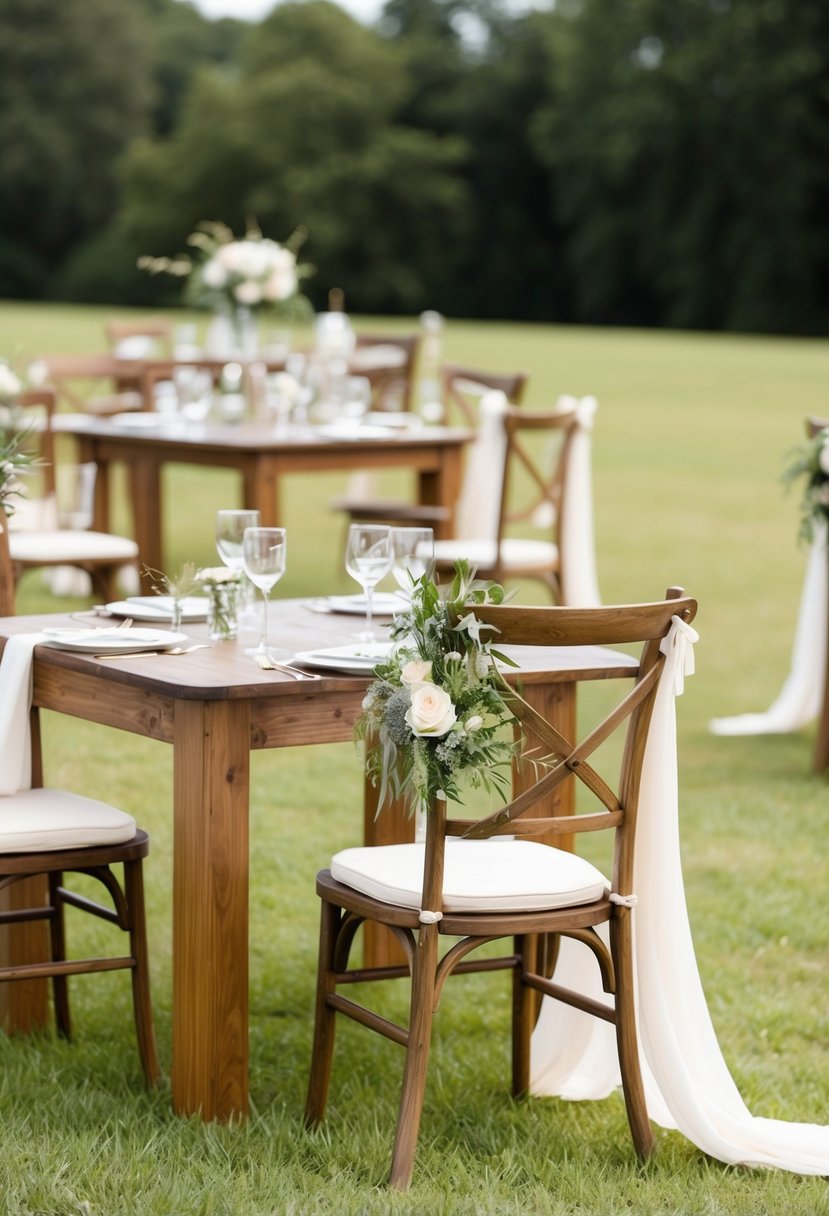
x=14, y=458
x=437, y=713
x=222, y=584
x=812, y=463
x=238, y=276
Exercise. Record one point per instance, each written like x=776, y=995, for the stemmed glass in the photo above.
x=413, y=552
x=263, y=560
x=230, y=531
x=368, y=557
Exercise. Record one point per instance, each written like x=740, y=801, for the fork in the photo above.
x=268, y=664
x=156, y=654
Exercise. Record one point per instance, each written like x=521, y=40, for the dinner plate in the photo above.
x=352, y=431
x=112, y=641
x=358, y=659
x=382, y=604
x=160, y=608
x=138, y=420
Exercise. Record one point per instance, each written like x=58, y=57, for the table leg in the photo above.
x=441, y=487
x=260, y=490
x=210, y=908
x=147, y=513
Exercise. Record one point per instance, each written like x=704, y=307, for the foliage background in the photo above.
x=636, y=162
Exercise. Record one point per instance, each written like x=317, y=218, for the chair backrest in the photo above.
x=144, y=338
x=38, y=407
x=388, y=362
x=550, y=758
x=463, y=387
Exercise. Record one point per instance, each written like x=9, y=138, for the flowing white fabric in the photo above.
x=579, y=582
x=687, y=1082
x=15, y=703
x=479, y=504
x=801, y=696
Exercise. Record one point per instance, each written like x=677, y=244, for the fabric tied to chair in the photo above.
x=687, y=1082
x=476, y=516
x=678, y=645
x=800, y=698
x=15, y=701
x=580, y=584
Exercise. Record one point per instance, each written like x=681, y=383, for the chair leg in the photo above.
x=142, y=1006
x=417, y=1057
x=523, y=1013
x=626, y=1038
x=57, y=934
x=325, y=1020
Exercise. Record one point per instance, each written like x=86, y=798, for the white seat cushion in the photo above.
x=68, y=545
x=514, y=552
x=37, y=821
x=479, y=875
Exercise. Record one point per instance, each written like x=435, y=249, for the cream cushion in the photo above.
x=479, y=875
x=514, y=552
x=36, y=821
x=67, y=545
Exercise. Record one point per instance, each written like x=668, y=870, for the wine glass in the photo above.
x=368, y=557
x=413, y=555
x=230, y=531
x=263, y=560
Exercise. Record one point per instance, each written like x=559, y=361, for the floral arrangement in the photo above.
x=437, y=711
x=228, y=273
x=812, y=463
x=14, y=459
x=10, y=384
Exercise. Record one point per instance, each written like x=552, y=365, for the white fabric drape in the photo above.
x=687, y=1082
x=579, y=582
x=479, y=504
x=801, y=696
x=15, y=702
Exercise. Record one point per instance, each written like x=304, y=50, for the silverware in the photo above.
x=268, y=664
x=154, y=654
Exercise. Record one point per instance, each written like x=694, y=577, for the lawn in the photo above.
x=691, y=436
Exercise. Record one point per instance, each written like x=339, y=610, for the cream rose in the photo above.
x=416, y=671
x=823, y=458
x=431, y=712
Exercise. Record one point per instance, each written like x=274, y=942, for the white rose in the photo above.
x=431, y=712
x=248, y=293
x=474, y=723
x=281, y=284
x=416, y=671
x=9, y=383
x=823, y=459
x=230, y=256
x=214, y=274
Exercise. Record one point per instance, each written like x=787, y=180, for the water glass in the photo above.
x=368, y=558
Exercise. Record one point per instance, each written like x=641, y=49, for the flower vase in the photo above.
x=175, y=621
x=222, y=603
x=245, y=332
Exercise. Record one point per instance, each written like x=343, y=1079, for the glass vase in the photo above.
x=222, y=606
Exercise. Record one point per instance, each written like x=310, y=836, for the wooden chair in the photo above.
x=461, y=391
x=6, y=572
x=46, y=834
x=517, y=475
x=389, y=362
x=144, y=338
x=101, y=384
x=445, y=889
x=40, y=542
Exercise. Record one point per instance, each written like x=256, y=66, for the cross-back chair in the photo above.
x=140, y=338
x=36, y=539
x=462, y=389
x=519, y=470
x=46, y=834
x=102, y=384
x=388, y=362
x=462, y=885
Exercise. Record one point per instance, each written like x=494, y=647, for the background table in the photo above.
x=260, y=456
x=214, y=707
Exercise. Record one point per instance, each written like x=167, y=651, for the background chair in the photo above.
x=476, y=889
x=36, y=539
x=462, y=389
x=520, y=473
x=46, y=834
x=6, y=573
x=389, y=363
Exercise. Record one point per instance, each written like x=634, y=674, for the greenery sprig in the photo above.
x=436, y=714
x=811, y=462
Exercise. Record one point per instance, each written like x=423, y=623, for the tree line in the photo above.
x=631, y=162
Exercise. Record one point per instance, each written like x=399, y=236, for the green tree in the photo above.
x=74, y=91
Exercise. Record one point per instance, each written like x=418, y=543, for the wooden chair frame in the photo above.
x=345, y=909
x=385, y=380
x=32, y=890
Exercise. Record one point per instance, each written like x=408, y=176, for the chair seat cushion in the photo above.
x=67, y=545
x=37, y=821
x=479, y=875
x=514, y=552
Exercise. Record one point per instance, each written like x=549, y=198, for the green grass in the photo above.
x=691, y=437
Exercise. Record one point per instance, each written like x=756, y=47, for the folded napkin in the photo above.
x=15, y=703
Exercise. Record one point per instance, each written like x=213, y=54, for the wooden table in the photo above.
x=215, y=706
x=260, y=456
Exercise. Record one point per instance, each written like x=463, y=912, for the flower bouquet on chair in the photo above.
x=437, y=713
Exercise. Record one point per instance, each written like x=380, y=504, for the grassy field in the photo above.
x=691, y=437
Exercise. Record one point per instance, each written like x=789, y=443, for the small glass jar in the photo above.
x=222, y=608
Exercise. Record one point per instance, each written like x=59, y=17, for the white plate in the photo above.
x=112, y=641
x=348, y=431
x=359, y=659
x=382, y=604
x=160, y=608
x=140, y=419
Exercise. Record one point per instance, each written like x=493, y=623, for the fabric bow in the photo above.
x=678, y=648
